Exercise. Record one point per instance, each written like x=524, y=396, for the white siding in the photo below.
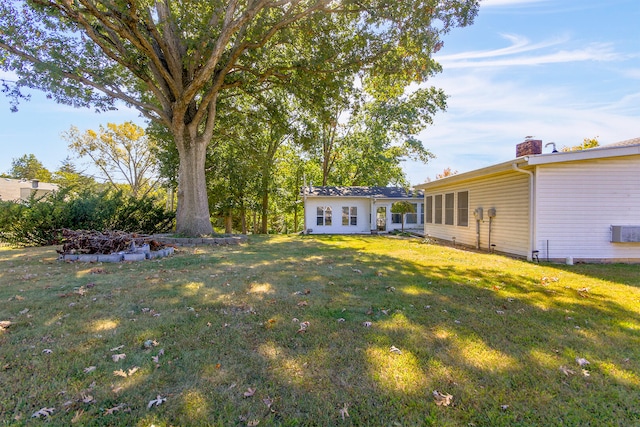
x=508, y=193
x=578, y=202
x=337, y=203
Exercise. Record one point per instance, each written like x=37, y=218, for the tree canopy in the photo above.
x=178, y=61
x=29, y=167
x=122, y=152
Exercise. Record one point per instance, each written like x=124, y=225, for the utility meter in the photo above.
x=478, y=213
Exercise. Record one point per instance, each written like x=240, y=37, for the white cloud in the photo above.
x=489, y=112
x=519, y=44
x=538, y=54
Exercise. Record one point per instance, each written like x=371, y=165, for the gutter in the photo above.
x=532, y=210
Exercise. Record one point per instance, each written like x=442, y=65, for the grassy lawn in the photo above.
x=318, y=331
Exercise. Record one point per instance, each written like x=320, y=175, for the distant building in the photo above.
x=358, y=210
x=15, y=190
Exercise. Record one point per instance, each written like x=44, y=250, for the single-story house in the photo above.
x=15, y=190
x=358, y=210
x=576, y=206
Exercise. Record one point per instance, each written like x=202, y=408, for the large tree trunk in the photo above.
x=192, y=216
x=243, y=219
x=228, y=222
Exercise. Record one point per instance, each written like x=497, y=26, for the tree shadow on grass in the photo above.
x=230, y=320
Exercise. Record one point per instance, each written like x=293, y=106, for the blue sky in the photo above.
x=559, y=70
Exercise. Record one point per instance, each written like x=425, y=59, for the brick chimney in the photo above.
x=529, y=147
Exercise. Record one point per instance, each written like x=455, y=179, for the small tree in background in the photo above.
x=403, y=208
x=29, y=167
x=121, y=152
x=586, y=144
x=445, y=173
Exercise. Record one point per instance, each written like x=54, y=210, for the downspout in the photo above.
x=531, y=207
x=304, y=207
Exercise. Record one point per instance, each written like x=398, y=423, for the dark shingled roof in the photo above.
x=376, y=192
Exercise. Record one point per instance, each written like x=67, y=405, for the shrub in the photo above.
x=37, y=222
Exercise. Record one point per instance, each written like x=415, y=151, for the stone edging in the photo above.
x=142, y=254
x=195, y=241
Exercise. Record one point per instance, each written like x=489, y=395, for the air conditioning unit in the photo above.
x=625, y=233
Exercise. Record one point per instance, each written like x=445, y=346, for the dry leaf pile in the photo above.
x=442, y=399
x=109, y=242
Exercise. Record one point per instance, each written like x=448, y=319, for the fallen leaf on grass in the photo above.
x=303, y=304
x=582, y=361
x=86, y=398
x=47, y=351
x=253, y=423
x=4, y=325
x=77, y=416
x=150, y=343
x=356, y=270
x=116, y=348
x=89, y=369
x=250, y=392
x=344, y=413
x=117, y=357
x=367, y=324
x=25, y=311
x=303, y=327
x=43, y=412
x=268, y=401
x=342, y=319
x=442, y=399
x=123, y=374
x=395, y=350
x=159, y=400
x=586, y=373
x=115, y=409
x=566, y=371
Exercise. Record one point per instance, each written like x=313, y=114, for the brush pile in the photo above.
x=108, y=242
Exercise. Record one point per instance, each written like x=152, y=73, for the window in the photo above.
x=396, y=218
x=438, y=210
x=429, y=210
x=421, y=213
x=323, y=215
x=463, y=208
x=449, y=208
x=412, y=217
x=349, y=215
